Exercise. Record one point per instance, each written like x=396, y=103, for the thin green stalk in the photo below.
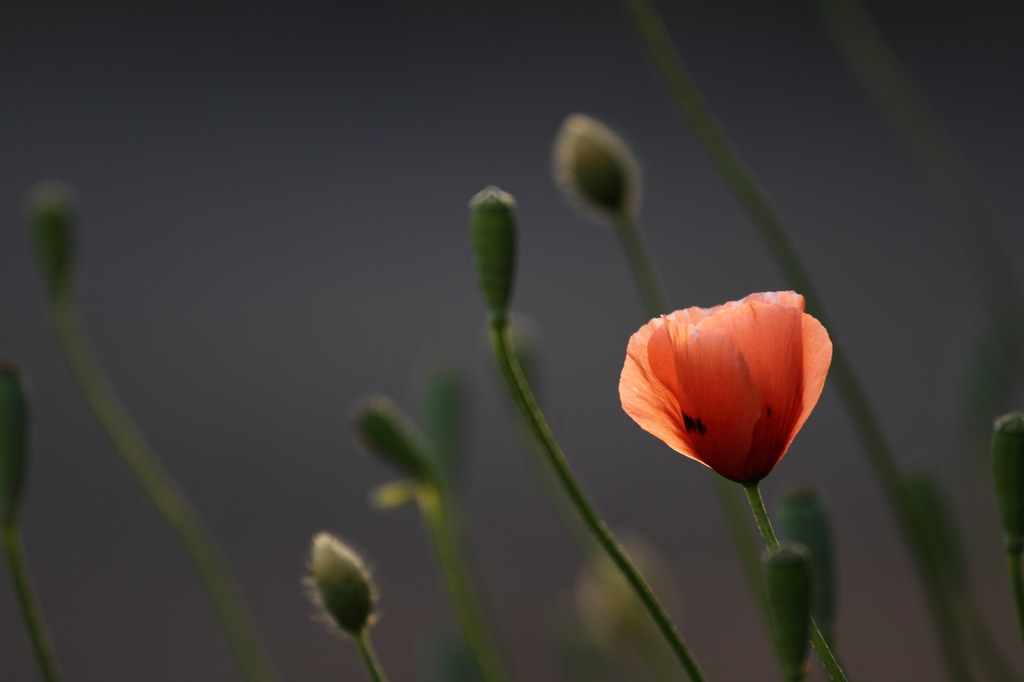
x=990, y=657
x=439, y=519
x=764, y=524
x=655, y=300
x=1016, y=577
x=369, y=657
x=766, y=219
x=531, y=413
x=163, y=491
x=30, y=612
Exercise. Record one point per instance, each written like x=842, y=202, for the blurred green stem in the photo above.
x=439, y=519
x=162, y=490
x=369, y=657
x=773, y=231
x=642, y=266
x=1016, y=577
x=30, y=611
x=764, y=525
x=530, y=412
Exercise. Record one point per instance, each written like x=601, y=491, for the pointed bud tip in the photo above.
x=492, y=197
x=1011, y=424
x=340, y=584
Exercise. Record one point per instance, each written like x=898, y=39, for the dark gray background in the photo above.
x=273, y=201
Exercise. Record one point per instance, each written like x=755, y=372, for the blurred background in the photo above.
x=273, y=224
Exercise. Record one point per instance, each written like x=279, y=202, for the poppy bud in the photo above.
x=51, y=214
x=787, y=580
x=594, y=167
x=382, y=428
x=801, y=517
x=1008, y=471
x=340, y=584
x=13, y=445
x=492, y=221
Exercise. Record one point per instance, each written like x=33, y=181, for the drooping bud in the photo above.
x=382, y=428
x=1008, y=471
x=492, y=221
x=13, y=439
x=340, y=584
x=787, y=580
x=801, y=517
x=595, y=168
x=51, y=214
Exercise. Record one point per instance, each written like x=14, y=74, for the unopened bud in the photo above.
x=340, y=584
x=802, y=518
x=787, y=580
x=492, y=221
x=13, y=440
x=51, y=213
x=382, y=428
x=1008, y=471
x=595, y=168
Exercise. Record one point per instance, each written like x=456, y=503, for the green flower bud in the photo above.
x=51, y=213
x=801, y=517
x=492, y=221
x=382, y=428
x=787, y=580
x=340, y=584
x=595, y=168
x=13, y=440
x=1008, y=471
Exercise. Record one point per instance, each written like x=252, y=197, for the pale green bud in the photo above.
x=340, y=584
x=595, y=168
x=492, y=222
x=1008, y=471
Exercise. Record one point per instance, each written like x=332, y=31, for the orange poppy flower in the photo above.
x=728, y=386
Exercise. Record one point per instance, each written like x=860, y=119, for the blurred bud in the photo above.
x=13, y=440
x=1008, y=471
x=382, y=428
x=787, y=580
x=51, y=214
x=442, y=403
x=936, y=529
x=394, y=494
x=340, y=584
x=595, y=168
x=492, y=221
x=801, y=518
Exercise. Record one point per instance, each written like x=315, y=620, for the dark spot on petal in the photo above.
x=691, y=424
x=768, y=410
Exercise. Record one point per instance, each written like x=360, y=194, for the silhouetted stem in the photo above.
x=531, y=413
x=441, y=527
x=30, y=612
x=162, y=490
x=764, y=525
x=369, y=657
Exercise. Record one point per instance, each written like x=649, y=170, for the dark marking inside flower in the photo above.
x=768, y=410
x=692, y=424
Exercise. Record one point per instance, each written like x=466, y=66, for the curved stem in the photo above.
x=30, y=611
x=1016, y=577
x=439, y=519
x=369, y=657
x=642, y=265
x=163, y=491
x=764, y=524
x=523, y=397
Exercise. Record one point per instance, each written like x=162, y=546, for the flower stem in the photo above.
x=764, y=524
x=163, y=491
x=530, y=412
x=733, y=170
x=439, y=519
x=30, y=611
x=1017, y=579
x=642, y=265
x=369, y=657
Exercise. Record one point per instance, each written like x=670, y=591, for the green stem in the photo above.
x=439, y=519
x=644, y=273
x=162, y=490
x=766, y=219
x=369, y=657
x=530, y=412
x=990, y=657
x=764, y=524
x=1016, y=577
x=30, y=611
